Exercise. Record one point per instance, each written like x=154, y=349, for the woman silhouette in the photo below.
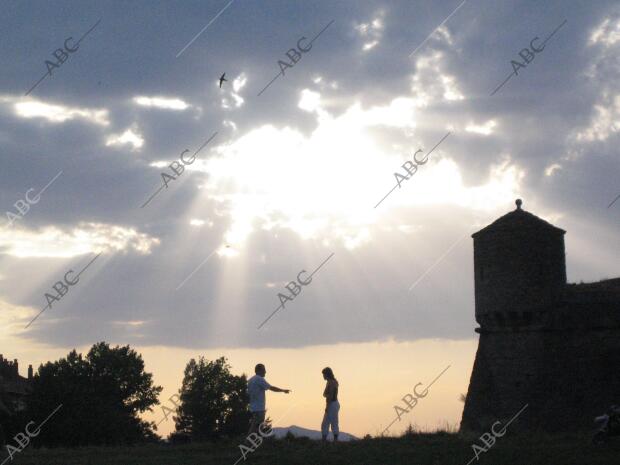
x=332, y=406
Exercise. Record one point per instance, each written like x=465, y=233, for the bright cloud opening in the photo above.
x=325, y=185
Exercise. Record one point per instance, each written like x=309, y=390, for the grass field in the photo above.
x=423, y=449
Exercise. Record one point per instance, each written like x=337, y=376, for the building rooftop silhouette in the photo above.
x=14, y=388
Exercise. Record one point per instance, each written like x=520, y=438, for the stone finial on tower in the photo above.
x=30, y=372
x=519, y=202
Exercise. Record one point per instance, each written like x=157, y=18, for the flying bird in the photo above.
x=222, y=79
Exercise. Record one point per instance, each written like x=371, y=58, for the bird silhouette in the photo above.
x=222, y=79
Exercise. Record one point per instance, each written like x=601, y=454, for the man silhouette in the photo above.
x=257, y=385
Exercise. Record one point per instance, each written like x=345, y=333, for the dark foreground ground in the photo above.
x=423, y=449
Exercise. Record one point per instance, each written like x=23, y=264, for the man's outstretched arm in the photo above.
x=277, y=389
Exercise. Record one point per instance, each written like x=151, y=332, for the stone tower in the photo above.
x=519, y=269
x=545, y=343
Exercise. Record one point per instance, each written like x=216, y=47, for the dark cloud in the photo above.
x=361, y=294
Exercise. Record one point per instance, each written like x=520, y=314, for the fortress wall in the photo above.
x=567, y=377
x=506, y=376
x=582, y=377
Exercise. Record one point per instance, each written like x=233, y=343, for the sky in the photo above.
x=181, y=210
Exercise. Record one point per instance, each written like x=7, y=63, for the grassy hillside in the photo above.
x=423, y=449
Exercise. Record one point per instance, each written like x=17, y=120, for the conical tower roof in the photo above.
x=518, y=220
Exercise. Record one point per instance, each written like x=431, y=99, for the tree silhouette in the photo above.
x=102, y=396
x=214, y=402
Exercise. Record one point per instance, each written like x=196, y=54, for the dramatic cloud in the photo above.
x=605, y=44
x=163, y=103
x=607, y=32
x=484, y=129
x=51, y=241
x=234, y=93
x=431, y=82
x=371, y=31
x=54, y=113
x=130, y=137
x=299, y=172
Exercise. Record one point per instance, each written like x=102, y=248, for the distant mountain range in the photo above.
x=300, y=432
